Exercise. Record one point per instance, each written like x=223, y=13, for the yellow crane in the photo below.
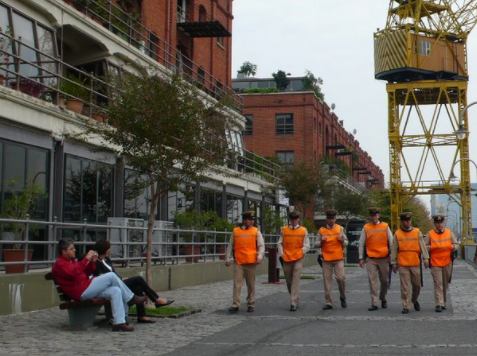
x=422, y=54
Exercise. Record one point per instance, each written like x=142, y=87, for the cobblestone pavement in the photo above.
x=272, y=329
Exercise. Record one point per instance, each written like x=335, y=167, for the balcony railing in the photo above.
x=130, y=29
x=128, y=243
x=43, y=78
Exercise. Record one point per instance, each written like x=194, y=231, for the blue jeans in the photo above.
x=110, y=286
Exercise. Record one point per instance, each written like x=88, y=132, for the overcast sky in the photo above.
x=333, y=39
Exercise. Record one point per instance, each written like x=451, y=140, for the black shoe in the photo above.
x=250, y=309
x=384, y=304
x=293, y=307
x=327, y=307
x=405, y=311
x=233, y=309
x=372, y=308
x=443, y=307
x=417, y=306
x=438, y=309
x=343, y=303
x=169, y=301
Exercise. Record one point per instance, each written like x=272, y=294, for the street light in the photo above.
x=461, y=133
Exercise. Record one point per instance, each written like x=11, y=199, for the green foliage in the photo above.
x=272, y=222
x=260, y=90
x=208, y=220
x=281, y=80
x=301, y=183
x=348, y=204
x=310, y=225
x=248, y=69
x=74, y=87
x=311, y=82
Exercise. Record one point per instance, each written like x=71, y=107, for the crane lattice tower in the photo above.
x=422, y=54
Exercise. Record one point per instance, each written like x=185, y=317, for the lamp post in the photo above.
x=461, y=133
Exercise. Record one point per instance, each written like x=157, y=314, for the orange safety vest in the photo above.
x=408, y=247
x=441, y=247
x=332, y=248
x=293, y=243
x=245, y=245
x=376, y=240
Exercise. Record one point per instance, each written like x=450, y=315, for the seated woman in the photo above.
x=137, y=284
x=73, y=277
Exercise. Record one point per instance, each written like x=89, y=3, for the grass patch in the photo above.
x=166, y=312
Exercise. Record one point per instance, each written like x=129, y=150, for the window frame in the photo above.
x=284, y=128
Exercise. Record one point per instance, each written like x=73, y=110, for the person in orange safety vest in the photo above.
x=376, y=240
x=246, y=248
x=292, y=247
x=332, y=241
x=408, y=246
x=441, y=244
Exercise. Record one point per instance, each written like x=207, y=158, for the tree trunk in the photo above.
x=150, y=226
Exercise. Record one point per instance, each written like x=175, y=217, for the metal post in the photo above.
x=272, y=265
x=27, y=232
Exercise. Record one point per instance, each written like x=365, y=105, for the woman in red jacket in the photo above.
x=74, y=279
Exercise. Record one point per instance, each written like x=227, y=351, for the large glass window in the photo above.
x=6, y=47
x=180, y=201
x=88, y=190
x=136, y=197
x=23, y=29
x=284, y=124
x=286, y=157
x=210, y=201
x=248, y=125
x=234, y=208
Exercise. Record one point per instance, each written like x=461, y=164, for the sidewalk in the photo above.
x=272, y=329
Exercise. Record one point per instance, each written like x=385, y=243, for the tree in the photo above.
x=302, y=184
x=311, y=82
x=348, y=203
x=281, y=79
x=248, y=69
x=163, y=129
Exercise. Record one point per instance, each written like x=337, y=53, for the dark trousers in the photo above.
x=139, y=286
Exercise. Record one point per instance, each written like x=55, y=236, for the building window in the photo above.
x=136, y=196
x=180, y=201
x=287, y=158
x=424, y=48
x=88, y=190
x=210, y=201
x=221, y=42
x=284, y=124
x=234, y=209
x=248, y=125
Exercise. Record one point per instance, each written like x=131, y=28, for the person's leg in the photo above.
x=295, y=282
x=100, y=283
x=436, y=273
x=383, y=270
x=288, y=272
x=340, y=278
x=114, y=295
x=249, y=273
x=446, y=272
x=139, y=286
x=405, y=279
x=416, y=283
x=238, y=281
x=327, y=281
x=372, y=269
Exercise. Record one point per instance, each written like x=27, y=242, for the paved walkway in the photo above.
x=272, y=329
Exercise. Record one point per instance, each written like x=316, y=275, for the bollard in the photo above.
x=273, y=271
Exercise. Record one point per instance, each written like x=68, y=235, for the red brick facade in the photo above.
x=212, y=54
x=315, y=128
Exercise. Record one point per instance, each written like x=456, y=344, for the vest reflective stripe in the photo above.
x=441, y=247
x=293, y=243
x=377, y=240
x=408, y=247
x=245, y=245
x=332, y=248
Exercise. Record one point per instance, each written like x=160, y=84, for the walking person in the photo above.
x=246, y=249
x=406, y=252
x=441, y=244
x=376, y=239
x=292, y=247
x=332, y=241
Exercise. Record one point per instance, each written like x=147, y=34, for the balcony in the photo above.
x=129, y=28
x=204, y=26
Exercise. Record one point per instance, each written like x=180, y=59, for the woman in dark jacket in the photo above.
x=137, y=284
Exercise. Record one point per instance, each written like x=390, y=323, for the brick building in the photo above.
x=294, y=125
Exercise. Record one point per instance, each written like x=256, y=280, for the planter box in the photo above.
x=14, y=255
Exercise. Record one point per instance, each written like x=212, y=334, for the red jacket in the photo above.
x=73, y=276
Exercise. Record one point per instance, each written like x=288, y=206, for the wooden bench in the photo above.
x=82, y=314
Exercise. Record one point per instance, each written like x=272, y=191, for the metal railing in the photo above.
x=128, y=243
x=133, y=31
x=50, y=84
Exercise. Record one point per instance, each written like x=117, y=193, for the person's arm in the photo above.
x=280, y=244
x=344, y=239
x=427, y=242
x=362, y=244
x=306, y=243
x=229, y=252
x=424, y=252
x=455, y=243
x=394, y=251
x=260, y=247
x=390, y=239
